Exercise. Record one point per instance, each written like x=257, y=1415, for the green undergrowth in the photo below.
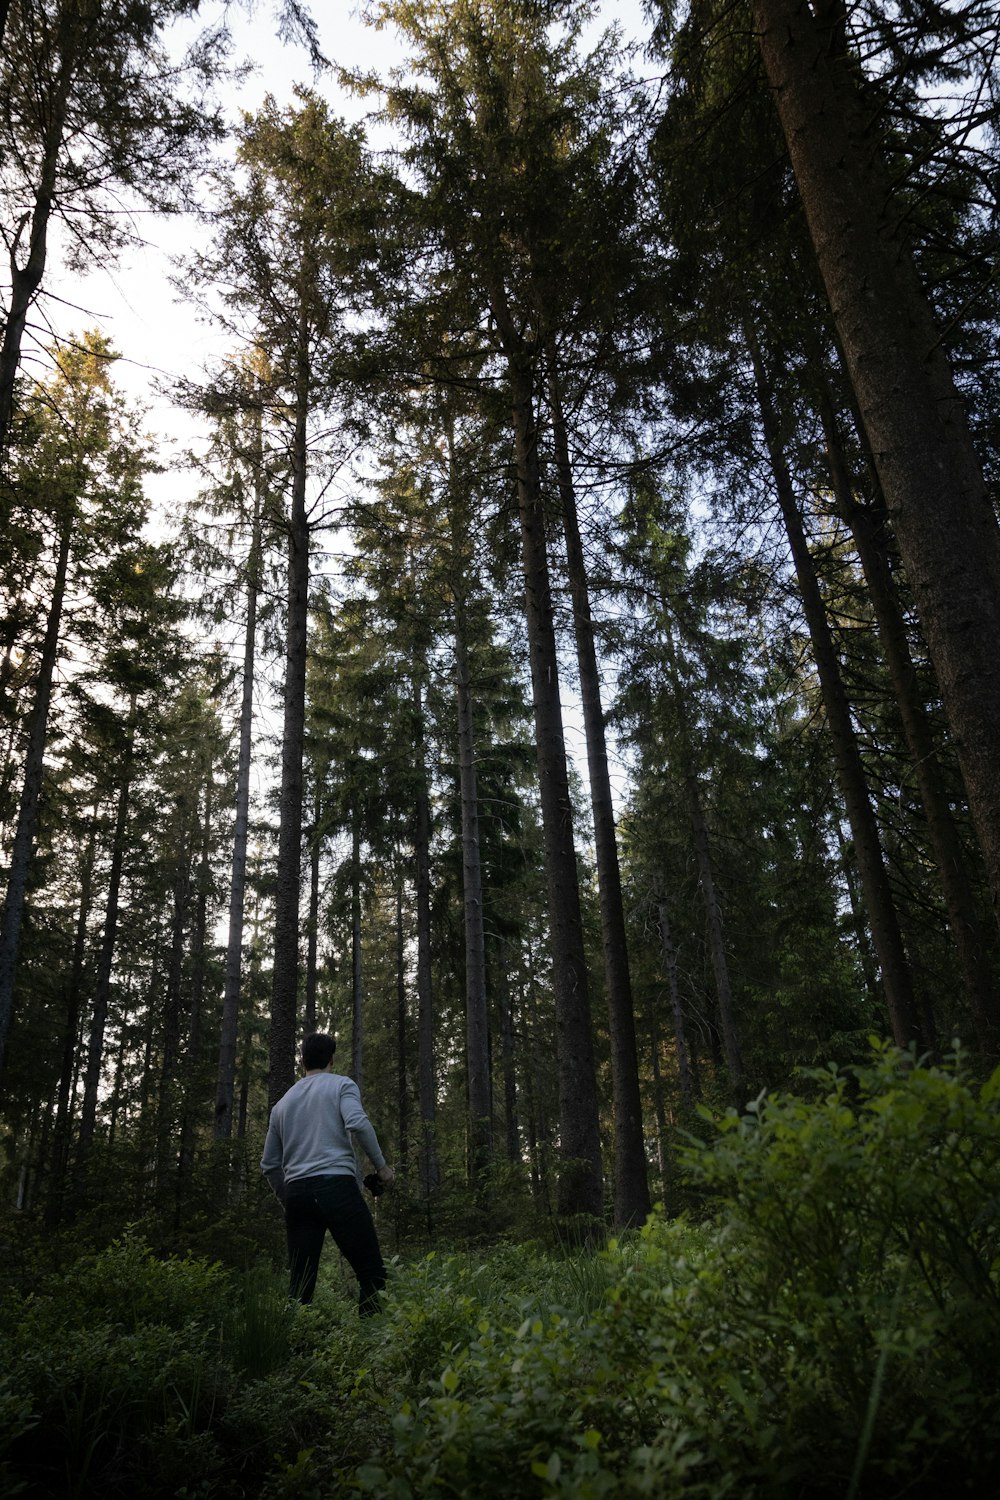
x=832, y=1329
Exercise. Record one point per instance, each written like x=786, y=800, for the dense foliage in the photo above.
x=831, y=1329
x=565, y=668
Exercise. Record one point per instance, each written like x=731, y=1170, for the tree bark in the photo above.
x=166, y=1122
x=226, y=1079
x=869, y=536
x=913, y=416
x=680, y=1031
x=716, y=940
x=312, y=925
x=427, y=1082
x=357, y=971
x=632, y=1203
x=27, y=818
x=102, y=983
x=192, y=1051
x=284, y=987
x=402, y=1029
x=27, y=278
x=580, y=1181
x=70, y=1051
x=897, y=983
x=476, y=1013
x=659, y=1109
x=507, y=1061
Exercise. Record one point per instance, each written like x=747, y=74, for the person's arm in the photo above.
x=362, y=1130
x=270, y=1162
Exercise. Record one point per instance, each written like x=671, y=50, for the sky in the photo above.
x=159, y=335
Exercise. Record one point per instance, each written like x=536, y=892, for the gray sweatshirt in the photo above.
x=310, y=1132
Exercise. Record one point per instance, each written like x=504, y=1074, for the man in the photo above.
x=310, y=1163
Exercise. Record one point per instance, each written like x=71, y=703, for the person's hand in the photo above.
x=386, y=1174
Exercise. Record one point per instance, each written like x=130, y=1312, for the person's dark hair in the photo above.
x=318, y=1050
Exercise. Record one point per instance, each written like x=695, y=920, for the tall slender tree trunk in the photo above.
x=862, y=933
x=949, y=856
x=166, y=1122
x=427, y=1081
x=477, y=1048
x=105, y=962
x=913, y=416
x=897, y=983
x=659, y=1108
x=580, y=1181
x=402, y=1028
x=117, y=1088
x=238, y=880
x=357, y=967
x=26, y=278
x=27, y=820
x=508, y=1059
x=716, y=938
x=631, y=1187
x=284, y=987
x=685, y=1078
x=70, y=1049
x=193, y=1049
x=539, y=1133
x=312, y=926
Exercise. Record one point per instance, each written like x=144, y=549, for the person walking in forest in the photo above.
x=310, y=1163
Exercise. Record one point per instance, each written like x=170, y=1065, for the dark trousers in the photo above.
x=314, y=1205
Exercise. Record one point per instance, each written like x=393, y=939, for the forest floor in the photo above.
x=832, y=1327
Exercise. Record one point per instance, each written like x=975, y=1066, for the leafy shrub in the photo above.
x=124, y=1367
x=835, y=1332
x=105, y=1354
x=832, y=1331
x=864, y=1231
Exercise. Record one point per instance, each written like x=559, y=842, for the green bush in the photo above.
x=124, y=1367
x=864, y=1231
x=833, y=1330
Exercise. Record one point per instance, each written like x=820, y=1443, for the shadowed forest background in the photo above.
x=564, y=665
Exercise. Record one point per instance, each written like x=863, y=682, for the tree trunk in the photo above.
x=949, y=856
x=535, y=1047
x=166, y=1122
x=402, y=1030
x=716, y=941
x=27, y=819
x=117, y=1087
x=284, y=988
x=866, y=954
x=312, y=926
x=913, y=416
x=70, y=1050
x=25, y=280
x=659, y=1109
x=357, y=972
x=507, y=1060
x=102, y=984
x=192, y=1052
x=238, y=880
x=427, y=1083
x=476, y=1013
x=632, y=1203
x=580, y=1184
x=896, y=980
x=680, y=1031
